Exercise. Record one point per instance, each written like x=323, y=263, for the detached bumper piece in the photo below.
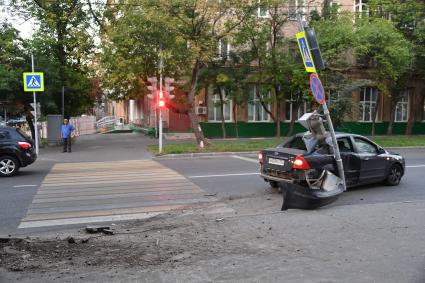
x=297, y=196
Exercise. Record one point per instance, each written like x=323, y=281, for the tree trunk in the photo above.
x=31, y=125
x=378, y=96
x=194, y=121
x=223, y=122
x=277, y=93
x=235, y=117
x=392, y=117
x=412, y=116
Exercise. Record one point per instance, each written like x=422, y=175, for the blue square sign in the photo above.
x=33, y=81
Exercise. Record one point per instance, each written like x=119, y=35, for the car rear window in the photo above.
x=23, y=134
x=295, y=143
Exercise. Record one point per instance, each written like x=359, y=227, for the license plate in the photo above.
x=276, y=161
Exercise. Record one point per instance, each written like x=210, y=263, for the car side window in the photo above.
x=344, y=145
x=364, y=146
x=4, y=136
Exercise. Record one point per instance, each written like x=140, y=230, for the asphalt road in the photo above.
x=222, y=177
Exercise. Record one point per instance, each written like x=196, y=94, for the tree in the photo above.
x=386, y=54
x=407, y=17
x=62, y=47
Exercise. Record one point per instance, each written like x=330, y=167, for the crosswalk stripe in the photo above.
x=75, y=193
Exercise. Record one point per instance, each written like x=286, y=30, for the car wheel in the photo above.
x=9, y=166
x=394, y=176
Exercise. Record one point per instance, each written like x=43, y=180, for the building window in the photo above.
x=223, y=49
x=214, y=107
x=333, y=96
x=361, y=6
x=402, y=108
x=368, y=96
x=290, y=107
x=262, y=11
x=294, y=7
x=256, y=111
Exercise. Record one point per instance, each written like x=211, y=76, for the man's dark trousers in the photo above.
x=67, y=144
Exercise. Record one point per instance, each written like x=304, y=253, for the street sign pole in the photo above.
x=63, y=102
x=337, y=154
x=161, y=65
x=35, y=110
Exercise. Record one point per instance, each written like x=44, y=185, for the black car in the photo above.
x=307, y=173
x=16, y=151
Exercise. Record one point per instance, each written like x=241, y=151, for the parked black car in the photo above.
x=307, y=176
x=16, y=150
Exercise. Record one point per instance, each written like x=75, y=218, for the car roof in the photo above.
x=337, y=134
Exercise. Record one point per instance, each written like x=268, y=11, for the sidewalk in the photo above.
x=101, y=147
x=355, y=243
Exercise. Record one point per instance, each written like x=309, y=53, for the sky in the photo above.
x=25, y=27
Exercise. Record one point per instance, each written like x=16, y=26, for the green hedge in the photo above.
x=252, y=130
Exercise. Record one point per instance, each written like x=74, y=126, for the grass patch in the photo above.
x=218, y=146
x=399, y=141
x=257, y=145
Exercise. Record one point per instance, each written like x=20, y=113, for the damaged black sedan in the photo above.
x=305, y=168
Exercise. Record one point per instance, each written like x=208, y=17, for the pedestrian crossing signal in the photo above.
x=33, y=81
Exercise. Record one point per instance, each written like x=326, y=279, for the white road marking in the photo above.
x=24, y=186
x=224, y=175
x=84, y=220
x=415, y=166
x=245, y=158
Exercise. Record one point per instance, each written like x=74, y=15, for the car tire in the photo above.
x=9, y=166
x=394, y=175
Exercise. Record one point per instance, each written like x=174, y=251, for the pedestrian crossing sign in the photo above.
x=33, y=81
x=306, y=53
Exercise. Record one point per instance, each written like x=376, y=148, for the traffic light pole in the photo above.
x=337, y=154
x=35, y=110
x=161, y=65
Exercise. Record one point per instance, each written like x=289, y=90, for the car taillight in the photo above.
x=24, y=145
x=260, y=157
x=300, y=163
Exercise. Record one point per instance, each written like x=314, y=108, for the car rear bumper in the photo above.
x=28, y=158
x=298, y=196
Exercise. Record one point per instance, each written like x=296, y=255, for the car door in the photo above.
x=350, y=160
x=372, y=165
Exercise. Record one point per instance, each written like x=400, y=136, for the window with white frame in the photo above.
x=361, y=6
x=214, y=107
x=290, y=108
x=262, y=11
x=223, y=49
x=368, y=97
x=296, y=6
x=256, y=111
x=402, y=108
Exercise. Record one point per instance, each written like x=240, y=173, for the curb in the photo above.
x=202, y=154
x=225, y=154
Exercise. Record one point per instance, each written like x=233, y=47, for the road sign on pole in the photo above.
x=319, y=94
x=317, y=88
x=33, y=81
x=305, y=52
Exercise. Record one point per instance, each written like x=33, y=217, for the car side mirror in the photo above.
x=381, y=150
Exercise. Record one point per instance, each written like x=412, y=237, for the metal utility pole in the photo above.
x=161, y=66
x=63, y=101
x=35, y=109
x=337, y=154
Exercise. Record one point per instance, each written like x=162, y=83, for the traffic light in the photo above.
x=38, y=110
x=161, y=101
x=314, y=48
x=169, y=88
x=152, y=87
